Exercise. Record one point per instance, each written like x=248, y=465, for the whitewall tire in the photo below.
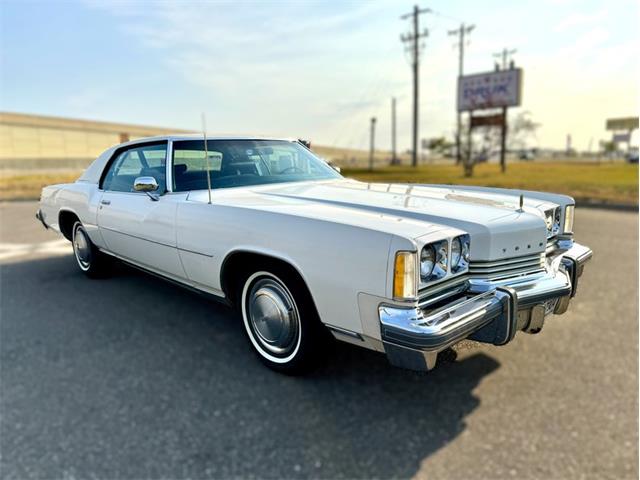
x=281, y=321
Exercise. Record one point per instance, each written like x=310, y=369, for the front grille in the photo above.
x=507, y=268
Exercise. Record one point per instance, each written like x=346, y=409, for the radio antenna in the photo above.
x=206, y=155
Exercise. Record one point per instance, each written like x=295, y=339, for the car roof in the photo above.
x=198, y=136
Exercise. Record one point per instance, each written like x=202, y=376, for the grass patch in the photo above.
x=27, y=186
x=602, y=183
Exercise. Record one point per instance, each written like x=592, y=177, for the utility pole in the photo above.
x=413, y=39
x=464, y=29
x=394, y=158
x=372, y=146
x=505, y=55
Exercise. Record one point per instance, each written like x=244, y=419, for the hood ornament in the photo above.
x=521, y=203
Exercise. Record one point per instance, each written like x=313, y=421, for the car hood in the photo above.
x=497, y=225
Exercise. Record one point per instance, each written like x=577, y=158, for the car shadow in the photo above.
x=133, y=377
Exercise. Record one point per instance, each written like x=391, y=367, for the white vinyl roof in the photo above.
x=198, y=136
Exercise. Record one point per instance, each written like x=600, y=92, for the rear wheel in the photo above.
x=91, y=261
x=281, y=321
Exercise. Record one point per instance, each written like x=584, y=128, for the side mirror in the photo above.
x=336, y=168
x=145, y=184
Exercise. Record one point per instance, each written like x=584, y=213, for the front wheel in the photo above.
x=91, y=261
x=281, y=321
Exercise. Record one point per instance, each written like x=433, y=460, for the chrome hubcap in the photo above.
x=82, y=248
x=273, y=315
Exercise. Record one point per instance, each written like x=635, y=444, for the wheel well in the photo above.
x=239, y=265
x=66, y=220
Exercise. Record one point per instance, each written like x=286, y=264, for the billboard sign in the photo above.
x=496, y=120
x=490, y=90
x=621, y=138
x=628, y=123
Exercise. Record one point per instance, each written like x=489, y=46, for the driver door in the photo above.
x=135, y=226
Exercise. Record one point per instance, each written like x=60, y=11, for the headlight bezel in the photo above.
x=424, y=271
x=465, y=247
x=552, y=219
x=557, y=218
x=440, y=266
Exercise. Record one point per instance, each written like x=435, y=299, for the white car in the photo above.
x=263, y=224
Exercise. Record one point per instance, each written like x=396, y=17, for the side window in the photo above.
x=144, y=161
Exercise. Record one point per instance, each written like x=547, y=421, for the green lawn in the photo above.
x=586, y=182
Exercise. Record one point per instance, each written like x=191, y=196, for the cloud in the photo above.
x=322, y=71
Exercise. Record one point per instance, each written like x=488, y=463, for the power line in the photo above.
x=460, y=32
x=413, y=40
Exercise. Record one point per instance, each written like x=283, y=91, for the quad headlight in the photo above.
x=552, y=220
x=460, y=247
x=434, y=260
x=456, y=252
x=427, y=261
x=557, y=213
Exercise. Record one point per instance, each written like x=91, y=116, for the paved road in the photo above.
x=131, y=377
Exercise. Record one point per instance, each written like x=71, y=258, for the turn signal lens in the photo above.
x=404, y=276
x=568, y=218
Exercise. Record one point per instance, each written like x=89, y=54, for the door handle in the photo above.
x=105, y=202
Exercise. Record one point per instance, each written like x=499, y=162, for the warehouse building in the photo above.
x=36, y=141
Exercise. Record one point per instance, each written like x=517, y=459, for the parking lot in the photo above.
x=132, y=377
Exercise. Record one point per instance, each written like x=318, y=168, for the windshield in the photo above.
x=237, y=163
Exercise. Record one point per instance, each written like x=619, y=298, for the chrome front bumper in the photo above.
x=486, y=311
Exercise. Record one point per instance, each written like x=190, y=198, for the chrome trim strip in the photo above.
x=157, y=243
x=448, y=292
x=508, y=268
x=194, y=252
x=507, y=261
x=426, y=291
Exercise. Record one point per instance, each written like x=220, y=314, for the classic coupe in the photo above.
x=305, y=254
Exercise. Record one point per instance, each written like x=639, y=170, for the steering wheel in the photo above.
x=292, y=168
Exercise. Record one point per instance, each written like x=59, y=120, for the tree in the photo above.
x=485, y=140
x=440, y=145
x=522, y=129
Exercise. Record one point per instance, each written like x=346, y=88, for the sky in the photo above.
x=314, y=69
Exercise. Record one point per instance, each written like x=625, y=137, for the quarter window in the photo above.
x=144, y=161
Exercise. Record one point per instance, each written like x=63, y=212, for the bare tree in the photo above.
x=485, y=140
x=522, y=130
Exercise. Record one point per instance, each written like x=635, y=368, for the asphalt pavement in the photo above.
x=132, y=377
